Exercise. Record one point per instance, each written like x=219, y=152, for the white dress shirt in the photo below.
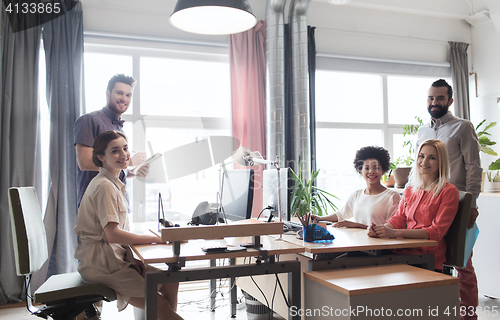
x=462, y=143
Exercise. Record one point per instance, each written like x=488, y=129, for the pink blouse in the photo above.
x=421, y=211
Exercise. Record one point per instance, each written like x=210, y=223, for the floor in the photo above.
x=194, y=305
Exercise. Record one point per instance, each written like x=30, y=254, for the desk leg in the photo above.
x=213, y=286
x=234, y=292
x=153, y=278
x=151, y=297
x=294, y=278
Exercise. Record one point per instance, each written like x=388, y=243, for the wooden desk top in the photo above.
x=243, y=228
x=351, y=239
x=377, y=279
x=163, y=253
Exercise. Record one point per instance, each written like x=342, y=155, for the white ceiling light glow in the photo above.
x=338, y=2
x=215, y=17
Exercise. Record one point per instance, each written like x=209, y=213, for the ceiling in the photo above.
x=457, y=9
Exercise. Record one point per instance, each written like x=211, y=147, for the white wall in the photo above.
x=374, y=33
x=486, y=63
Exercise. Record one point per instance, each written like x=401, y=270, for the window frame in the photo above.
x=384, y=69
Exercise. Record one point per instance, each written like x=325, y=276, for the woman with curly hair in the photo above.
x=373, y=204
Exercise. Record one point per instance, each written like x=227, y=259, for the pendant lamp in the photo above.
x=214, y=17
x=338, y=2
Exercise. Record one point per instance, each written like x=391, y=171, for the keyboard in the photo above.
x=291, y=226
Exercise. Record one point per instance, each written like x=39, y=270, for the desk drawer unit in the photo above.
x=380, y=292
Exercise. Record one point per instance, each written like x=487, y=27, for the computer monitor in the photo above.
x=237, y=194
x=270, y=191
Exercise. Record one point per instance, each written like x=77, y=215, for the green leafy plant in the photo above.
x=307, y=198
x=409, y=130
x=392, y=166
x=486, y=143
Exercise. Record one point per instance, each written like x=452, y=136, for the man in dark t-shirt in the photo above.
x=90, y=125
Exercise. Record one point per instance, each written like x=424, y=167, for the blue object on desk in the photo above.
x=314, y=233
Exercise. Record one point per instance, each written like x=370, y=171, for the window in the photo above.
x=349, y=97
x=335, y=158
x=190, y=88
x=354, y=110
x=99, y=68
x=407, y=98
x=181, y=96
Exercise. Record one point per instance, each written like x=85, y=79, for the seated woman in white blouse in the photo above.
x=373, y=204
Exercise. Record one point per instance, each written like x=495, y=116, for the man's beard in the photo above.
x=437, y=113
x=112, y=108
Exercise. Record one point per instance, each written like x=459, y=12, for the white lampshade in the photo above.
x=213, y=17
x=338, y=2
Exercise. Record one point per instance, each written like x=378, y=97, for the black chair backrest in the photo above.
x=455, y=239
x=28, y=231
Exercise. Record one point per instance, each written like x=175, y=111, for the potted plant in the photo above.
x=492, y=184
x=388, y=177
x=403, y=164
x=307, y=199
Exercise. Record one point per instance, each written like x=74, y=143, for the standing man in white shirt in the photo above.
x=463, y=147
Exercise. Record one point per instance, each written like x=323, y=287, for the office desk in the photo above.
x=192, y=250
x=166, y=253
x=346, y=240
x=353, y=239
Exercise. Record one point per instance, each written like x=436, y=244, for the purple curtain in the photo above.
x=248, y=82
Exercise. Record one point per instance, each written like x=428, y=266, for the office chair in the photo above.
x=455, y=239
x=64, y=296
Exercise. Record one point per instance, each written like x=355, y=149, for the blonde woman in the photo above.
x=429, y=204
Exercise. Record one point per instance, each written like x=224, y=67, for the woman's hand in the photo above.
x=314, y=217
x=349, y=224
x=139, y=267
x=383, y=231
x=371, y=231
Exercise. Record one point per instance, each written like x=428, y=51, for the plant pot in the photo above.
x=401, y=176
x=491, y=186
x=390, y=182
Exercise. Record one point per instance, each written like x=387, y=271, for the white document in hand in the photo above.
x=149, y=160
